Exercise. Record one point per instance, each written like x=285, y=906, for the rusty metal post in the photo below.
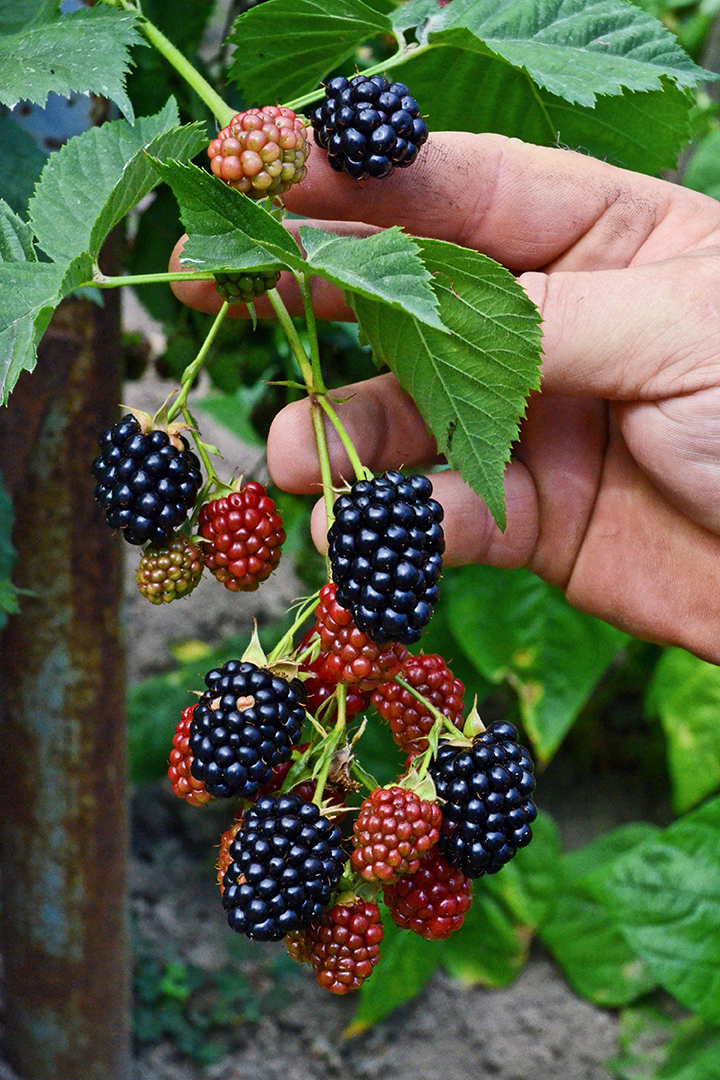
x=63, y=820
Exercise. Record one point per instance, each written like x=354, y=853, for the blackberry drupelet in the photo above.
x=385, y=550
x=239, y=288
x=243, y=726
x=286, y=860
x=145, y=484
x=343, y=947
x=409, y=720
x=369, y=126
x=484, y=790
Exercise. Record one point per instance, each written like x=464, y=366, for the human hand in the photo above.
x=613, y=493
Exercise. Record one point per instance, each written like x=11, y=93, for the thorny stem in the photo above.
x=222, y=112
x=192, y=369
x=335, y=737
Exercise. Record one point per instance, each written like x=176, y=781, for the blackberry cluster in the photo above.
x=286, y=860
x=343, y=947
x=184, y=784
x=385, y=550
x=145, y=484
x=242, y=727
x=238, y=288
x=350, y=656
x=393, y=831
x=485, y=790
x=369, y=126
x=244, y=537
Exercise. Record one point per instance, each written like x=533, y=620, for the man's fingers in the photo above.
x=383, y=424
x=642, y=333
x=471, y=535
x=526, y=206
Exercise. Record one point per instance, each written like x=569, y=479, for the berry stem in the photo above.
x=222, y=112
x=403, y=53
x=332, y=741
x=285, y=641
x=324, y=459
x=440, y=719
x=103, y=281
x=212, y=476
x=293, y=337
x=361, y=473
x=303, y=280
x=192, y=369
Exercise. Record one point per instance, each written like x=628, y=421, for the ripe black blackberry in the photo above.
x=385, y=549
x=146, y=481
x=484, y=791
x=243, y=726
x=286, y=860
x=369, y=126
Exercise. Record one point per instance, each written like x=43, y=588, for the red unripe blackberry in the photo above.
x=287, y=860
x=261, y=152
x=344, y=946
x=385, y=549
x=485, y=792
x=393, y=831
x=409, y=720
x=433, y=901
x=351, y=656
x=244, y=537
x=183, y=782
x=368, y=126
x=170, y=572
x=146, y=481
x=244, y=725
x=239, y=288
x=319, y=689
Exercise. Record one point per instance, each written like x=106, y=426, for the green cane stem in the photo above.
x=200, y=446
x=103, y=281
x=222, y=112
x=437, y=716
x=293, y=338
x=286, y=640
x=303, y=280
x=323, y=458
x=334, y=737
x=361, y=473
x=192, y=369
x=403, y=53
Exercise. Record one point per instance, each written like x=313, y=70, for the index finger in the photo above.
x=525, y=206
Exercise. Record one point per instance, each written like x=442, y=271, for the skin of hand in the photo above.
x=613, y=492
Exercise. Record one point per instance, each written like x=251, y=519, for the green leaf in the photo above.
x=665, y=897
x=575, y=49
x=16, y=237
x=226, y=230
x=685, y=695
x=322, y=34
x=384, y=266
x=28, y=294
x=19, y=14
x=487, y=950
x=86, y=52
x=703, y=170
x=516, y=628
x=528, y=884
x=21, y=163
x=582, y=935
x=407, y=963
x=693, y=1054
x=91, y=183
x=462, y=91
x=469, y=384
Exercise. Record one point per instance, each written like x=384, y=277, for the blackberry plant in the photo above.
x=282, y=734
